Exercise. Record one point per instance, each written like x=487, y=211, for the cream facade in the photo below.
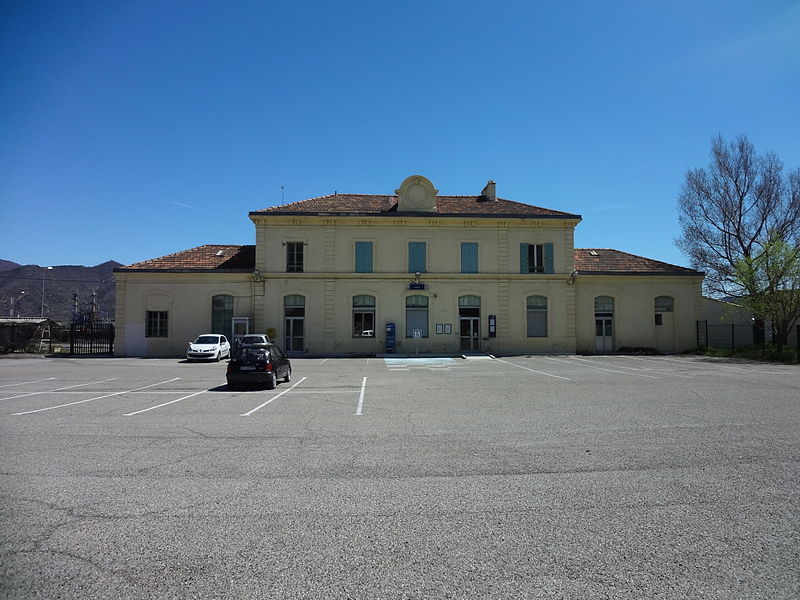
x=452, y=274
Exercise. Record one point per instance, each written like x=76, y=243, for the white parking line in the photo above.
x=532, y=370
x=69, y=387
x=164, y=404
x=27, y=412
x=607, y=370
x=361, y=397
x=248, y=413
x=26, y=382
x=661, y=371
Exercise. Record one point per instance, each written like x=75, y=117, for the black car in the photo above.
x=258, y=364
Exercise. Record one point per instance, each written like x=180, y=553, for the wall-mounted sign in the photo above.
x=492, y=326
x=416, y=286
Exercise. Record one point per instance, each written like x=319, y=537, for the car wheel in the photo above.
x=218, y=356
x=288, y=377
x=272, y=382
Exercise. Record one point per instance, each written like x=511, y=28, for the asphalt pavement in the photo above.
x=514, y=477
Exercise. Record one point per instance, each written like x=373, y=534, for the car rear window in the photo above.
x=251, y=354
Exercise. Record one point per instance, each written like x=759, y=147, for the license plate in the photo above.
x=247, y=368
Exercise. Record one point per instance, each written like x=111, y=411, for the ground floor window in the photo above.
x=537, y=316
x=364, y=316
x=664, y=304
x=222, y=314
x=156, y=323
x=416, y=316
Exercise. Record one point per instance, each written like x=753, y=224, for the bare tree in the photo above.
x=731, y=211
x=740, y=223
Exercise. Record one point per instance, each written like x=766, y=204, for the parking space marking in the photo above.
x=748, y=368
x=144, y=387
x=248, y=413
x=591, y=366
x=361, y=397
x=69, y=387
x=26, y=382
x=533, y=370
x=164, y=404
x=664, y=372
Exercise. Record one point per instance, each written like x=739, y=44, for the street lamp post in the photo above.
x=44, y=270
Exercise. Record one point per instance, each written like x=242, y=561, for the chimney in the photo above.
x=489, y=192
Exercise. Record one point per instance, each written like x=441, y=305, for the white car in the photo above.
x=209, y=346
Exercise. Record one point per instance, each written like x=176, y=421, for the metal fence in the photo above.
x=91, y=338
x=733, y=336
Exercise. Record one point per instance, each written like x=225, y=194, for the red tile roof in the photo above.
x=221, y=258
x=370, y=204
x=211, y=257
x=606, y=261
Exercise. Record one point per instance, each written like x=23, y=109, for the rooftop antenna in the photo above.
x=282, y=195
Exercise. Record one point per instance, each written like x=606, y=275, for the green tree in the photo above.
x=772, y=278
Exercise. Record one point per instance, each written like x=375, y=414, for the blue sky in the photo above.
x=131, y=130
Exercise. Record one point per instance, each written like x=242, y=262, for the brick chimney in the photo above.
x=489, y=191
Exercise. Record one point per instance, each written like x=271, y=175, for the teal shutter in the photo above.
x=416, y=257
x=523, y=258
x=469, y=257
x=548, y=258
x=363, y=257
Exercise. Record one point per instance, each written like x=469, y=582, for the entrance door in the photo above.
x=294, y=313
x=469, y=328
x=604, y=334
x=294, y=334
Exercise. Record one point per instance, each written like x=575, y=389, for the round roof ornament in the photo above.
x=416, y=194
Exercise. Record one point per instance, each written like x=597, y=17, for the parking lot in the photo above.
x=514, y=477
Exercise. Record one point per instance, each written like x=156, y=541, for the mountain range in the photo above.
x=21, y=289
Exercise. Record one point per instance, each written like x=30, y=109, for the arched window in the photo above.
x=364, y=316
x=604, y=305
x=537, y=316
x=664, y=304
x=416, y=315
x=222, y=315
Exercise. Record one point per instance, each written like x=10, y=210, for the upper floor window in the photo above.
x=363, y=257
x=536, y=258
x=416, y=257
x=469, y=257
x=294, y=257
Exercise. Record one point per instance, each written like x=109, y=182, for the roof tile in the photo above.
x=211, y=257
x=360, y=204
x=606, y=260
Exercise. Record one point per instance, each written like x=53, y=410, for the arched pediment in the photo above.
x=416, y=194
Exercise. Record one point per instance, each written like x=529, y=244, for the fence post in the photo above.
x=733, y=339
x=706, y=335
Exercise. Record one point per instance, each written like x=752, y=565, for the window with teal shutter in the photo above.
x=363, y=257
x=469, y=257
x=548, y=258
x=536, y=258
x=523, y=258
x=416, y=257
